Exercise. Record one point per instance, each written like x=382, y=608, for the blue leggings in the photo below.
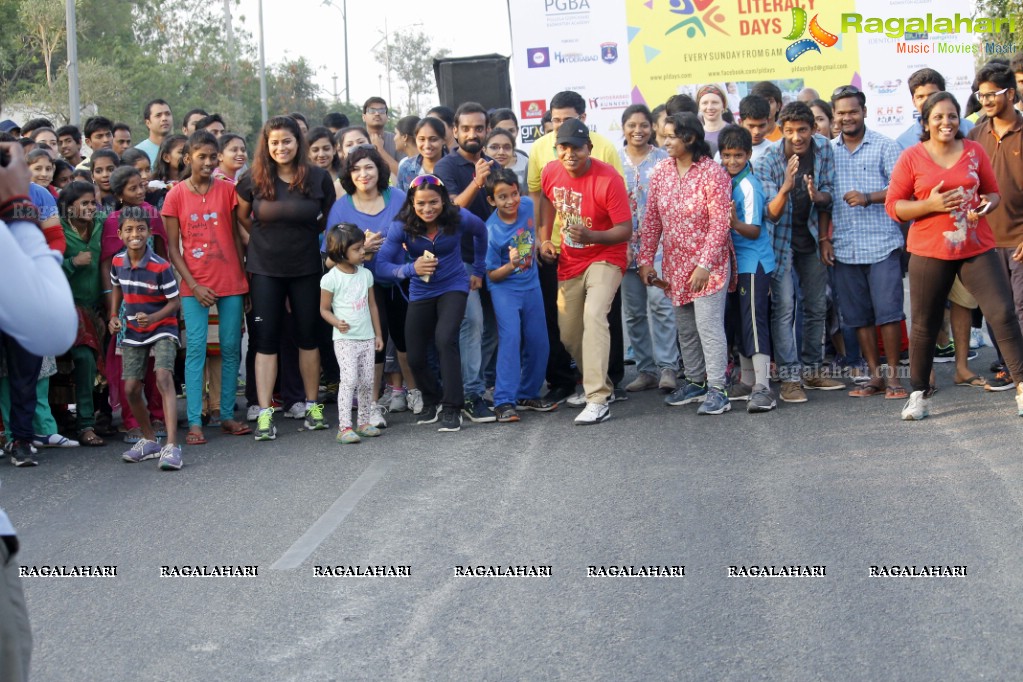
x=197, y=316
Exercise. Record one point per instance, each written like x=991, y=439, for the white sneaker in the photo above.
x=252, y=414
x=577, y=399
x=1019, y=399
x=398, y=402
x=376, y=416
x=296, y=411
x=415, y=400
x=594, y=413
x=917, y=407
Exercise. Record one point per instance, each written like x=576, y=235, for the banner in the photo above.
x=618, y=52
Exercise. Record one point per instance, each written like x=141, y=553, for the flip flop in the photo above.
x=975, y=381
x=235, y=428
x=866, y=391
x=895, y=393
x=193, y=438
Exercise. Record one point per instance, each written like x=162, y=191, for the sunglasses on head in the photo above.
x=845, y=91
x=421, y=180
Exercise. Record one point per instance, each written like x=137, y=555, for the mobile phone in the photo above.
x=983, y=208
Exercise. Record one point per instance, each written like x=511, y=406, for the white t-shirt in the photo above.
x=351, y=302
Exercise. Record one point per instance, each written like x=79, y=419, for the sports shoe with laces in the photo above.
x=760, y=400
x=577, y=399
x=821, y=383
x=314, y=417
x=792, y=392
x=20, y=452
x=265, y=429
x=415, y=400
x=398, y=402
x=142, y=450
x=536, y=405
x=296, y=411
x=945, y=353
x=451, y=420
x=252, y=413
x=477, y=410
x=347, y=436
x=716, y=402
x=687, y=393
x=429, y=415
x=367, y=431
x=170, y=458
x=506, y=413
x=739, y=391
x=593, y=413
x=917, y=407
x=1001, y=381
x=376, y=416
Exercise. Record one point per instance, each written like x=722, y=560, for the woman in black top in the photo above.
x=283, y=202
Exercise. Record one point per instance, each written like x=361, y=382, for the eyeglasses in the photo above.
x=376, y=110
x=421, y=180
x=845, y=91
x=988, y=96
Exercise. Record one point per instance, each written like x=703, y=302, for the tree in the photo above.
x=1001, y=9
x=409, y=58
x=46, y=27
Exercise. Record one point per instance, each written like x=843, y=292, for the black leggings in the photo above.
x=930, y=280
x=439, y=320
x=391, y=309
x=268, y=295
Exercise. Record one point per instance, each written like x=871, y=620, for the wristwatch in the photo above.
x=705, y=267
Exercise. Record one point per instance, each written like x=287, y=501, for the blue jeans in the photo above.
x=197, y=316
x=813, y=281
x=648, y=312
x=470, y=343
x=522, y=350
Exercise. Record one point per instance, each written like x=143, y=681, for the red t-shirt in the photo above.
x=600, y=201
x=948, y=236
x=207, y=236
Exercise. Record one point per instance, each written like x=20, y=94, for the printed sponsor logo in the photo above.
x=609, y=52
x=886, y=87
x=610, y=102
x=538, y=57
x=574, y=57
x=532, y=108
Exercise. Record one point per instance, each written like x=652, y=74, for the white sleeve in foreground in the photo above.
x=36, y=307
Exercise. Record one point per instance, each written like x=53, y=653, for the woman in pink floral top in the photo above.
x=687, y=210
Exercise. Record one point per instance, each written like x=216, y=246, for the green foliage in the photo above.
x=1002, y=9
x=409, y=57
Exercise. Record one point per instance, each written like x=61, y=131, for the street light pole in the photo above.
x=262, y=65
x=344, y=20
x=74, y=101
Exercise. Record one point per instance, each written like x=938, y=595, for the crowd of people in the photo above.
x=441, y=270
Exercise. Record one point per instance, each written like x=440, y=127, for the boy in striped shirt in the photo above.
x=150, y=292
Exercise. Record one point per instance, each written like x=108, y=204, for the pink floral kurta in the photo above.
x=689, y=215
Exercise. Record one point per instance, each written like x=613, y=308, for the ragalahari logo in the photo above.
x=803, y=45
x=707, y=13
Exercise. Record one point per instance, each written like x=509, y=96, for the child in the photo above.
x=40, y=165
x=102, y=165
x=749, y=305
x=206, y=251
x=348, y=305
x=150, y=293
x=126, y=183
x=139, y=160
x=511, y=266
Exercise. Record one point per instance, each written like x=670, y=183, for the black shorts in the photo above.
x=747, y=316
x=268, y=295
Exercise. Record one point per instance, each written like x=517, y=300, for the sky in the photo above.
x=306, y=28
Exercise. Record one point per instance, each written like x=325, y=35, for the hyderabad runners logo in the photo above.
x=819, y=35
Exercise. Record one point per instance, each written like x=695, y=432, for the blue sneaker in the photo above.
x=716, y=402
x=687, y=393
x=170, y=458
x=142, y=450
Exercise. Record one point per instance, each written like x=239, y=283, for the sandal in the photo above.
x=895, y=393
x=89, y=437
x=975, y=381
x=867, y=391
x=195, y=438
x=235, y=428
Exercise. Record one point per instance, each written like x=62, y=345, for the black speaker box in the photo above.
x=482, y=79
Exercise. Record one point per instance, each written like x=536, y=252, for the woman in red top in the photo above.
x=945, y=185
x=688, y=210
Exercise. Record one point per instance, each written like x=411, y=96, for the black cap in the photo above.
x=573, y=132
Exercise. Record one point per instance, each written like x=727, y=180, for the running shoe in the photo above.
x=429, y=415
x=265, y=429
x=1000, y=382
x=376, y=416
x=170, y=458
x=478, y=411
x=348, y=436
x=142, y=450
x=536, y=405
x=917, y=407
x=415, y=400
x=451, y=420
x=687, y=393
x=21, y=453
x=398, y=402
x=716, y=402
x=593, y=413
x=761, y=400
x=367, y=431
x=296, y=411
x=740, y=391
x=314, y=417
x=506, y=413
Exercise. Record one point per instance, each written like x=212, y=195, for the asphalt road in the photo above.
x=838, y=482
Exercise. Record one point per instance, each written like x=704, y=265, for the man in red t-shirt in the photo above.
x=590, y=198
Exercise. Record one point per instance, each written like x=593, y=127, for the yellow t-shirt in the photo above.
x=543, y=152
